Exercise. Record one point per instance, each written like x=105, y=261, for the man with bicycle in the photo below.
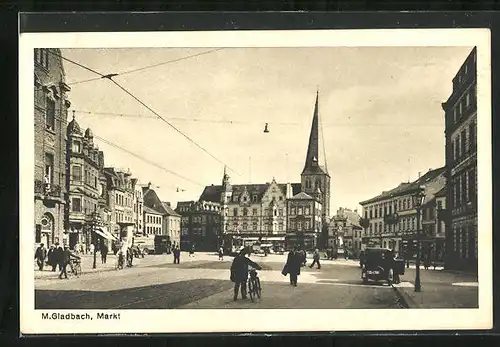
x=239, y=273
x=67, y=255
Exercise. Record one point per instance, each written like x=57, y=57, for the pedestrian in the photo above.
x=292, y=266
x=65, y=260
x=191, y=251
x=104, y=253
x=40, y=255
x=239, y=273
x=177, y=255
x=316, y=259
x=92, y=249
x=58, y=254
x=221, y=253
x=50, y=257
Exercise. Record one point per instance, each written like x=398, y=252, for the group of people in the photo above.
x=56, y=256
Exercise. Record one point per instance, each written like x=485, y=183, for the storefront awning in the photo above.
x=105, y=233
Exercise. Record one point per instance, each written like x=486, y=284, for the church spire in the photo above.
x=312, y=156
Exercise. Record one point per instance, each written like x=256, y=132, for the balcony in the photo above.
x=48, y=192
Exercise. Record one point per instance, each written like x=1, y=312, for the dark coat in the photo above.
x=293, y=263
x=50, y=256
x=67, y=255
x=58, y=255
x=239, y=268
x=40, y=253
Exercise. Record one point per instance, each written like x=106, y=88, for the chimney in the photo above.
x=419, y=174
x=149, y=185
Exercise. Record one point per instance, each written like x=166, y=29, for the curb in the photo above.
x=405, y=300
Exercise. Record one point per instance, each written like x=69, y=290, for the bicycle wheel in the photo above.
x=258, y=289
x=251, y=289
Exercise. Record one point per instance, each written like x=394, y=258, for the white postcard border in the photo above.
x=225, y=320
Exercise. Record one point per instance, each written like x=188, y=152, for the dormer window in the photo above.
x=254, y=198
x=77, y=147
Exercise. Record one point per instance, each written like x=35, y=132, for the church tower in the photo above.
x=315, y=179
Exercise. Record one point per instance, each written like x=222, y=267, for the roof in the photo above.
x=441, y=193
x=405, y=188
x=169, y=210
x=302, y=196
x=213, y=193
x=151, y=210
x=74, y=127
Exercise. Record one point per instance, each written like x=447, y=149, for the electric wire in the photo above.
x=110, y=78
x=151, y=66
x=146, y=160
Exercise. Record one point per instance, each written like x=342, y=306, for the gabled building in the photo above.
x=252, y=212
x=153, y=222
x=50, y=121
x=461, y=168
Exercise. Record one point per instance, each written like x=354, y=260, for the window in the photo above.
x=467, y=99
x=455, y=116
x=235, y=211
x=49, y=168
x=371, y=213
x=307, y=211
x=254, y=226
x=307, y=225
x=463, y=144
x=299, y=225
x=292, y=211
x=280, y=212
x=254, y=198
x=235, y=198
x=299, y=211
x=472, y=137
x=292, y=224
x=308, y=184
x=50, y=114
x=76, y=205
x=76, y=147
x=245, y=226
x=453, y=151
x=457, y=147
x=245, y=211
x=76, y=173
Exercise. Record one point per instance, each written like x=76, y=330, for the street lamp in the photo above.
x=418, y=199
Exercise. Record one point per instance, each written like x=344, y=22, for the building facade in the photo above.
x=304, y=221
x=120, y=191
x=200, y=225
x=84, y=163
x=391, y=217
x=153, y=222
x=434, y=227
x=347, y=224
x=171, y=224
x=51, y=113
x=461, y=168
x=252, y=212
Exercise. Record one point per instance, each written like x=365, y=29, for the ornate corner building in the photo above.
x=461, y=168
x=50, y=112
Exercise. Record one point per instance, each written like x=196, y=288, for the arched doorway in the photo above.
x=47, y=230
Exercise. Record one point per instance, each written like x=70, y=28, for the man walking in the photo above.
x=239, y=273
x=221, y=253
x=316, y=259
x=104, y=253
x=177, y=255
x=40, y=255
x=65, y=260
x=292, y=266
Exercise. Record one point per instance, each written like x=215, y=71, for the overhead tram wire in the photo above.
x=146, y=160
x=150, y=66
x=110, y=77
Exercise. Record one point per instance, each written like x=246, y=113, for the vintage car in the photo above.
x=379, y=264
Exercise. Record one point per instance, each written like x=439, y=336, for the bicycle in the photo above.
x=76, y=267
x=254, y=288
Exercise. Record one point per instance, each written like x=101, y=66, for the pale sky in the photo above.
x=380, y=109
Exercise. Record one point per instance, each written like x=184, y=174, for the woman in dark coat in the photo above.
x=292, y=266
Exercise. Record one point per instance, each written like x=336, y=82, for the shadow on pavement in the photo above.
x=164, y=296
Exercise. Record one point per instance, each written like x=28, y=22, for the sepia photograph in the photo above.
x=180, y=182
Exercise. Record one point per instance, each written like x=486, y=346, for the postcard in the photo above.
x=255, y=181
